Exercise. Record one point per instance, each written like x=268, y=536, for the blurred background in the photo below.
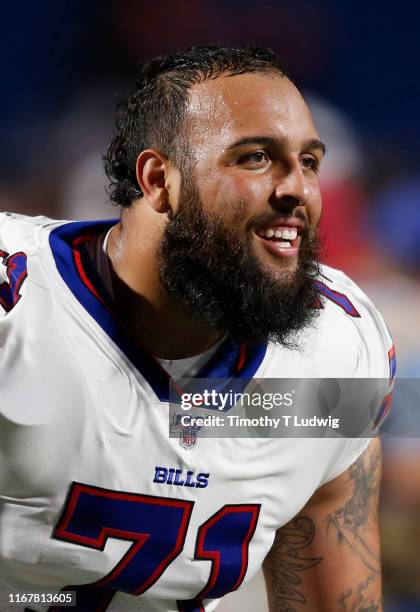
x=65, y=66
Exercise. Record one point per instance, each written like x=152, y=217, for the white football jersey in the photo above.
x=95, y=496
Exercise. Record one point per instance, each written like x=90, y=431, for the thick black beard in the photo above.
x=214, y=274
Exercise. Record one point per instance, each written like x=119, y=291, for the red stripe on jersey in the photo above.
x=241, y=358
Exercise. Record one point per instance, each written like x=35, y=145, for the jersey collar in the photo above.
x=231, y=360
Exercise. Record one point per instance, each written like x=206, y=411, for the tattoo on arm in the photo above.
x=350, y=520
x=358, y=601
x=287, y=560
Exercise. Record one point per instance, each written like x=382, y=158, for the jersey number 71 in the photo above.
x=157, y=528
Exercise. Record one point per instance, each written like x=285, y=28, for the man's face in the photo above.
x=256, y=156
x=240, y=252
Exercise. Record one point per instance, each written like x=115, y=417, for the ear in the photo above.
x=151, y=176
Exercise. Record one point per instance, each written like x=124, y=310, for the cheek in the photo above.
x=236, y=198
x=314, y=207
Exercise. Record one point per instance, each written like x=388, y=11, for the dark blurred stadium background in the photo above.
x=65, y=65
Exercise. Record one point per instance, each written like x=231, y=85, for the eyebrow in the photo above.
x=277, y=142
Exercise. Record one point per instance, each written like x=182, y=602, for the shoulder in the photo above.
x=21, y=240
x=33, y=325
x=349, y=338
x=336, y=288
x=350, y=311
x=21, y=232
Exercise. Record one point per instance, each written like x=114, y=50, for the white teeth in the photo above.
x=285, y=234
x=289, y=234
x=283, y=245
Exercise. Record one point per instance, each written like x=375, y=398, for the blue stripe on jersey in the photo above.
x=222, y=365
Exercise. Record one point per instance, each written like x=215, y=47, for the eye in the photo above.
x=310, y=163
x=256, y=159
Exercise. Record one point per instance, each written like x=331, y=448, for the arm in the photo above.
x=327, y=557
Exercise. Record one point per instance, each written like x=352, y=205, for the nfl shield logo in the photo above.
x=187, y=433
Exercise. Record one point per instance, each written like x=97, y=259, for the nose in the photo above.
x=291, y=189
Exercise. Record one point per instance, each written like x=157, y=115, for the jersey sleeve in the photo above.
x=350, y=450
x=376, y=352
x=376, y=359
x=19, y=240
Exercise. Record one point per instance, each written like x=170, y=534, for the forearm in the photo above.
x=327, y=558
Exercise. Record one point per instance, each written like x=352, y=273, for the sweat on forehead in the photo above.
x=251, y=100
x=155, y=114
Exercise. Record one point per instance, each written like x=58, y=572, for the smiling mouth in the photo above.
x=281, y=240
x=284, y=237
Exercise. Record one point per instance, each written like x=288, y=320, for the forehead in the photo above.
x=232, y=107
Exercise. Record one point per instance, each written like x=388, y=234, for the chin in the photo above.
x=279, y=268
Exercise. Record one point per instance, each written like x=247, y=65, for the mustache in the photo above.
x=271, y=218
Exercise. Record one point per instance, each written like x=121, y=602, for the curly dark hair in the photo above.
x=153, y=113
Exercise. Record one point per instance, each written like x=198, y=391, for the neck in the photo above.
x=163, y=328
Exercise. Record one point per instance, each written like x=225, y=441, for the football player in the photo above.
x=211, y=271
